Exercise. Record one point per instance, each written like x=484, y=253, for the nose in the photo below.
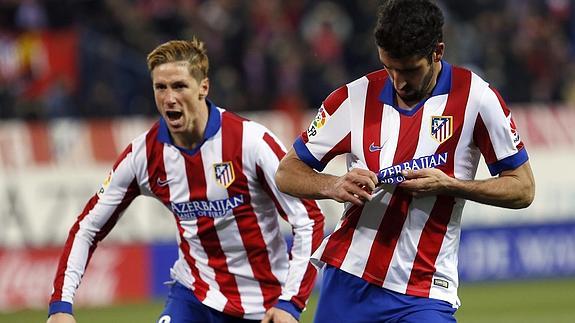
x=398, y=81
x=170, y=97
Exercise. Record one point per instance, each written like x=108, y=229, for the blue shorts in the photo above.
x=182, y=306
x=347, y=298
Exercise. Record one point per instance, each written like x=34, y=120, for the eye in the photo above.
x=159, y=86
x=180, y=85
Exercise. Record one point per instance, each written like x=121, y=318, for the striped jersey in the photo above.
x=395, y=241
x=226, y=206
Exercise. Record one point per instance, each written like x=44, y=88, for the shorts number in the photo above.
x=165, y=319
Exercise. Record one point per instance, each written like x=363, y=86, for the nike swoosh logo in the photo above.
x=163, y=183
x=373, y=148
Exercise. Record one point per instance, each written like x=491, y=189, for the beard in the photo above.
x=422, y=91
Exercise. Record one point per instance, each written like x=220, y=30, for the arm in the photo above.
x=96, y=220
x=296, y=178
x=513, y=189
x=307, y=224
x=61, y=318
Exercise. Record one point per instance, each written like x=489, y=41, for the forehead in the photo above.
x=410, y=62
x=171, y=70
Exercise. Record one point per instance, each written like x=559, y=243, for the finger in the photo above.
x=354, y=199
x=364, y=180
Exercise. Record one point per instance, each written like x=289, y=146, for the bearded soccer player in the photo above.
x=215, y=172
x=413, y=134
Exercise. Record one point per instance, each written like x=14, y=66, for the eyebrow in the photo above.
x=401, y=69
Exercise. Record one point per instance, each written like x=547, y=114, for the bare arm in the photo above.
x=514, y=189
x=296, y=178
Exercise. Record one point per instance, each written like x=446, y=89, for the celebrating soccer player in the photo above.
x=215, y=172
x=421, y=124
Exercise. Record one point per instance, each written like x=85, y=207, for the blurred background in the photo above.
x=74, y=90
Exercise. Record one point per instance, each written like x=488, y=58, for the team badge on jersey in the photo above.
x=318, y=122
x=441, y=128
x=224, y=173
x=105, y=184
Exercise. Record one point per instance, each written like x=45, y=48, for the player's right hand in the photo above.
x=61, y=318
x=355, y=186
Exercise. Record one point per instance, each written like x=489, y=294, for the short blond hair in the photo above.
x=193, y=51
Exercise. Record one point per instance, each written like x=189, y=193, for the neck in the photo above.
x=194, y=134
x=426, y=93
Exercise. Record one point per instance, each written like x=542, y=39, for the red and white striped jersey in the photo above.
x=395, y=241
x=226, y=206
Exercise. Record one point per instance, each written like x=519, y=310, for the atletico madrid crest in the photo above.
x=224, y=173
x=441, y=128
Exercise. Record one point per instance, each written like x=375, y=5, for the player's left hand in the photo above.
x=276, y=315
x=425, y=182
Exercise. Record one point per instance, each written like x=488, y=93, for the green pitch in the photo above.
x=525, y=302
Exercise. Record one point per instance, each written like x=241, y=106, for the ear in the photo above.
x=204, y=88
x=438, y=52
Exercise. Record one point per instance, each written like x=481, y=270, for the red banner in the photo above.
x=115, y=274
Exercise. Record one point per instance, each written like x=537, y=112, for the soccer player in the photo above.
x=215, y=172
x=413, y=134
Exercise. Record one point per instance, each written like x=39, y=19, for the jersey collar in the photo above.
x=443, y=86
x=213, y=125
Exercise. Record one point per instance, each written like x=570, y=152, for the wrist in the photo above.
x=60, y=307
x=289, y=307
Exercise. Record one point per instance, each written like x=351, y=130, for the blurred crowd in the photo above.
x=264, y=54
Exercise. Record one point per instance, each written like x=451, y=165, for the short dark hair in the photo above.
x=407, y=28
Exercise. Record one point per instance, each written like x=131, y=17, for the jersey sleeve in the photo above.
x=97, y=219
x=496, y=135
x=329, y=132
x=304, y=216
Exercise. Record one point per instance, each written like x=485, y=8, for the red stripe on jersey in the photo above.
x=268, y=190
x=156, y=168
x=41, y=143
x=335, y=99
x=428, y=247
x=275, y=147
x=456, y=106
x=200, y=287
x=392, y=223
x=507, y=112
x=132, y=192
x=103, y=140
x=372, y=119
x=308, y=280
x=339, y=241
x=209, y=239
x=250, y=231
x=386, y=238
x=434, y=230
x=342, y=147
x=304, y=137
x=482, y=140
x=409, y=128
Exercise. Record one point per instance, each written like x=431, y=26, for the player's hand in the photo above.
x=276, y=315
x=425, y=182
x=356, y=186
x=61, y=318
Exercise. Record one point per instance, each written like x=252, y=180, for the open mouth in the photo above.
x=173, y=115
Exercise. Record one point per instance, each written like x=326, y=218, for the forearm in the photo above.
x=301, y=180
x=510, y=190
